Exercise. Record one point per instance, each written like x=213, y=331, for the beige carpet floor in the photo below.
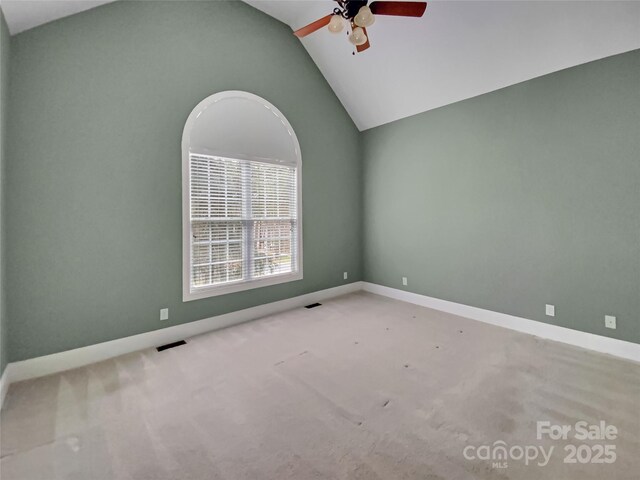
x=363, y=387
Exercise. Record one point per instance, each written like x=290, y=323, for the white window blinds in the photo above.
x=243, y=217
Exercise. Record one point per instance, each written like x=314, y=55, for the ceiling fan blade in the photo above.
x=364, y=46
x=400, y=9
x=312, y=27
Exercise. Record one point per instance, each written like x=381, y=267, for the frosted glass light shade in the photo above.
x=336, y=24
x=358, y=36
x=364, y=17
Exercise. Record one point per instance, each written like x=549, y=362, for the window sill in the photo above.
x=206, y=292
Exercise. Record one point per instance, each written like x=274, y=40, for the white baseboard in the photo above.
x=611, y=346
x=58, y=362
x=4, y=384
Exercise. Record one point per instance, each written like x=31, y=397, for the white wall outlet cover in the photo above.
x=404, y=281
x=550, y=310
x=346, y=275
x=164, y=314
x=610, y=321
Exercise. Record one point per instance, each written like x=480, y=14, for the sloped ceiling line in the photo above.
x=457, y=50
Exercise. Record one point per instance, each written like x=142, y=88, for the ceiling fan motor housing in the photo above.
x=350, y=8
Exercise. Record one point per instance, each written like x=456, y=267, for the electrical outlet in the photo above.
x=404, y=281
x=345, y=275
x=164, y=314
x=550, y=310
x=610, y=321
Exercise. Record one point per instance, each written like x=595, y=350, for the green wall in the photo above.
x=4, y=84
x=521, y=197
x=98, y=104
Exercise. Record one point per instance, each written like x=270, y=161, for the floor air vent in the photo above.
x=313, y=305
x=171, y=345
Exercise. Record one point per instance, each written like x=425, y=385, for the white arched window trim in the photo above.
x=294, y=158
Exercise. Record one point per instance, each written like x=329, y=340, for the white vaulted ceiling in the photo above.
x=458, y=50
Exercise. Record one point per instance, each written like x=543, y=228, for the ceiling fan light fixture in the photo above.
x=357, y=16
x=358, y=36
x=336, y=24
x=364, y=17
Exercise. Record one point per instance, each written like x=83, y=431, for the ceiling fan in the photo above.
x=358, y=15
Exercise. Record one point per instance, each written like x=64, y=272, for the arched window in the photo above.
x=242, y=209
